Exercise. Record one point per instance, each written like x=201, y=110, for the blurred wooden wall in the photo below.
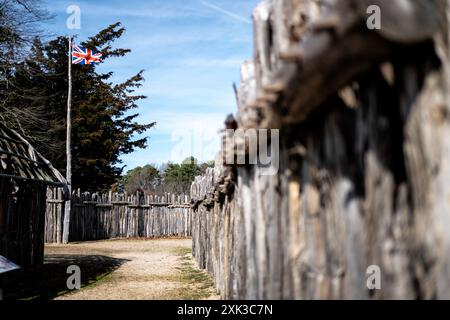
x=364, y=166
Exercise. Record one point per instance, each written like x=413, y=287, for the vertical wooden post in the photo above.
x=2, y=287
x=68, y=151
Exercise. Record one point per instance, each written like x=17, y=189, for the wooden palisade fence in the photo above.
x=364, y=174
x=113, y=215
x=24, y=177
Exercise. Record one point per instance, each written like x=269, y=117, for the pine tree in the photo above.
x=103, y=119
x=178, y=177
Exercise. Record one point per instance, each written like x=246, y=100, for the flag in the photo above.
x=81, y=55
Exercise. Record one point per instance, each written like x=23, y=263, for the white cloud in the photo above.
x=179, y=136
x=168, y=122
x=191, y=50
x=158, y=9
x=228, y=13
x=151, y=9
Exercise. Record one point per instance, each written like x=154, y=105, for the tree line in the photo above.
x=33, y=97
x=169, y=177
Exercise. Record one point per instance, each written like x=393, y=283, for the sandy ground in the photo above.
x=145, y=270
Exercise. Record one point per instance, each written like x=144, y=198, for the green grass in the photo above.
x=198, y=284
x=182, y=251
x=99, y=279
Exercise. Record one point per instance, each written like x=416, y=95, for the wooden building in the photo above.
x=24, y=178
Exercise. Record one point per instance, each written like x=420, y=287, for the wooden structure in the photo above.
x=113, y=215
x=364, y=176
x=24, y=177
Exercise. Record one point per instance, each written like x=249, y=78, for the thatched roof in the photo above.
x=19, y=160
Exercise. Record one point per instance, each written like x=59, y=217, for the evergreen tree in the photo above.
x=179, y=177
x=144, y=179
x=103, y=122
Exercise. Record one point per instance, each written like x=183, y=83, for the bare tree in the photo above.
x=19, y=25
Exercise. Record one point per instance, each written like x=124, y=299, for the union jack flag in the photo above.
x=81, y=55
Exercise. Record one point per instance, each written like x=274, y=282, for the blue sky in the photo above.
x=191, y=51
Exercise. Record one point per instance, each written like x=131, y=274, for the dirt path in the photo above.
x=141, y=269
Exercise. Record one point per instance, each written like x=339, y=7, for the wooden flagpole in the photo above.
x=68, y=151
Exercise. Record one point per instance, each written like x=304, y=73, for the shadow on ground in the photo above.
x=52, y=281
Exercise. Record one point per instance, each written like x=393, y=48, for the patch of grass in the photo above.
x=182, y=251
x=198, y=284
x=192, y=283
x=185, y=282
x=92, y=283
x=102, y=278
